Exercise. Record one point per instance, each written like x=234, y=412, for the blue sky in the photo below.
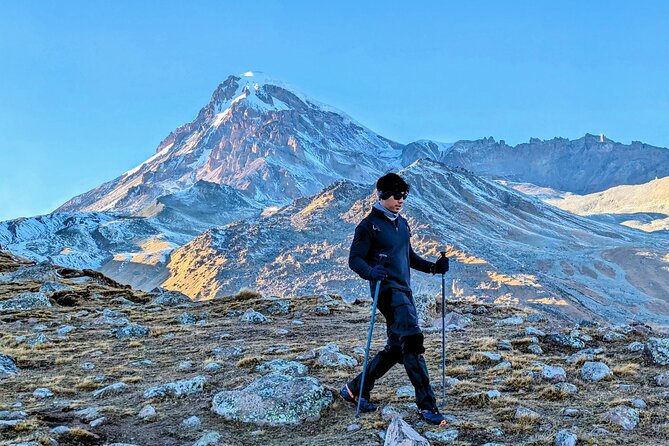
x=89, y=89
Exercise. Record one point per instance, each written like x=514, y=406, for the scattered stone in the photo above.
x=212, y=438
x=504, y=345
x=297, y=322
x=65, y=329
x=60, y=430
x=185, y=365
x=170, y=298
x=505, y=365
x=181, y=388
x=513, y=320
x=454, y=319
x=148, y=412
x=565, y=438
x=111, y=389
x=399, y=433
x=451, y=382
x=391, y=411
x=352, y=427
x=480, y=310
x=281, y=331
x=657, y=351
x=227, y=352
x=97, y=422
x=186, y=319
x=638, y=403
x=283, y=367
x=595, y=371
x=52, y=287
x=553, y=374
x=531, y=331
x=587, y=354
x=88, y=414
x=131, y=331
x=253, y=317
x=42, y=392
x=309, y=354
x=8, y=366
x=612, y=336
x=524, y=412
x=535, y=349
x=569, y=388
x=13, y=415
x=405, y=392
x=321, y=310
x=636, y=347
x=274, y=400
x=212, y=367
x=279, y=307
x=569, y=412
x=623, y=416
x=443, y=437
x=662, y=380
x=38, y=339
x=329, y=356
x=564, y=340
x=25, y=301
x=191, y=422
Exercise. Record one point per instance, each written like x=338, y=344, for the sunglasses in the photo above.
x=396, y=195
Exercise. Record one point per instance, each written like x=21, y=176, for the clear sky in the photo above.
x=89, y=89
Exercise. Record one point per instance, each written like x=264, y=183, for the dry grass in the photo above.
x=629, y=369
x=552, y=393
x=518, y=382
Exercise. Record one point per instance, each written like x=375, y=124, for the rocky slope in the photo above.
x=86, y=361
x=504, y=246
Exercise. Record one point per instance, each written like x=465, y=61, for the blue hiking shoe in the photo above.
x=365, y=405
x=433, y=417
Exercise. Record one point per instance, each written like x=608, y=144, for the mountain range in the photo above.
x=264, y=187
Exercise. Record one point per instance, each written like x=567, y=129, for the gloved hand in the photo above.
x=440, y=266
x=378, y=273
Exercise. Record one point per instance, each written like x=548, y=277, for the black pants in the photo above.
x=404, y=346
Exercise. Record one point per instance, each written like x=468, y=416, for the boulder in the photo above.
x=657, y=351
x=329, y=356
x=595, y=371
x=25, y=302
x=181, y=388
x=283, y=367
x=623, y=416
x=399, y=433
x=274, y=400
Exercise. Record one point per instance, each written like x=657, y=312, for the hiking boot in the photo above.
x=433, y=417
x=365, y=405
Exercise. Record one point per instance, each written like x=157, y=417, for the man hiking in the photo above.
x=381, y=251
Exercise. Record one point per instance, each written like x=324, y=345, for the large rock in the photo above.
x=623, y=416
x=329, y=356
x=595, y=371
x=657, y=351
x=399, y=433
x=181, y=388
x=111, y=389
x=662, y=379
x=564, y=340
x=41, y=272
x=253, y=317
x=565, y=438
x=131, y=331
x=170, y=298
x=553, y=374
x=282, y=367
x=587, y=354
x=8, y=366
x=25, y=301
x=274, y=400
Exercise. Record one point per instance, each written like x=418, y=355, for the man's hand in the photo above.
x=378, y=273
x=440, y=266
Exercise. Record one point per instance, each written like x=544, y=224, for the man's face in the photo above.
x=393, y=204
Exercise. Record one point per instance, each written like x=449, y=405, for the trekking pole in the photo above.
x=443, y=336
x=369, y=340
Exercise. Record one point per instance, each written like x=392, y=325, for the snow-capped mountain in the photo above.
x=582, y=166
x=509, y=247
x=259, y=137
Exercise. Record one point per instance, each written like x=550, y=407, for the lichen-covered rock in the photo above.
x=553, y=374
x=513, y=320
x=587, y=354
x=131, y=331
x=52, y=287
x=524, y=412
x=657, y=351
x=186, y=319
x=565, y=438
x=177, y=389
x=399, y=433
x=283, y=367
x=25, y=302
x=329, y=356
x=274, y=400
x=212, y=438
x=636, y=346
x=170, y=298
x=564, y=340
x=445, y=437
x=595, y=371
x=623, y=416
x=662, y=380
x=253, y=317
x=280, y=307
x=568, y=388
x=229, y=351
x=111, y=389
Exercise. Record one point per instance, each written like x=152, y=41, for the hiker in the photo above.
x=385, y=232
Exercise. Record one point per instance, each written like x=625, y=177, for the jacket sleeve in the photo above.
x=362, y=243
x=418, y=263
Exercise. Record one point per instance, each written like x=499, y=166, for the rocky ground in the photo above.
x=86, y=361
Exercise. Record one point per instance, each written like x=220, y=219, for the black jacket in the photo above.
x=377, y=234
